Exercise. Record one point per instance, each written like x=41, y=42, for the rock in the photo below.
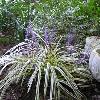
x=92, y=48
x=92, y=43
x=94, y=63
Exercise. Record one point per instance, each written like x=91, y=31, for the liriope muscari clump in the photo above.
x=43, y=64
x=70, y=39
x=83, y=58
x=25, y=48
x=70, y=42
x=49, y=37
x=46, y=37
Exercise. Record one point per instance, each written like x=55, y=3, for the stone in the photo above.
x=92, y=43
x=92, y=48
x=94, y=63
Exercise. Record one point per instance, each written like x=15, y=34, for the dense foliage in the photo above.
x=62, y=15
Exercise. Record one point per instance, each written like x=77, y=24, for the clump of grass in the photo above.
x=45, y=64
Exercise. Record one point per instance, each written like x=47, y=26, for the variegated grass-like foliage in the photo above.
x=49, y=65
x=45, y=65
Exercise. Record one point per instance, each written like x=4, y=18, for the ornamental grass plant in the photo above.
x=48, y=66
